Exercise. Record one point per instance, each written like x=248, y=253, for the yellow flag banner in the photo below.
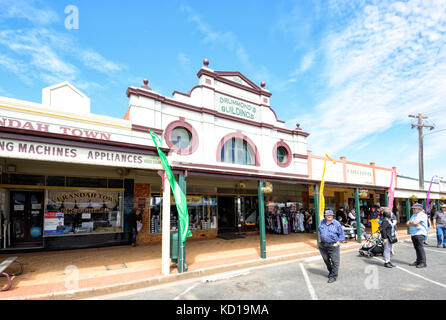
x=321, y=192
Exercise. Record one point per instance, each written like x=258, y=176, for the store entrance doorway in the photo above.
x=226, y=214
x=26, y=218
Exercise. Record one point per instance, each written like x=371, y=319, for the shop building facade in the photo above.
x=69, y=178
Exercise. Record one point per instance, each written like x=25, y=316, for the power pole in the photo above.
x=420, y=126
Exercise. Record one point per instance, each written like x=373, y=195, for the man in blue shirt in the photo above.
x=331, y=235
x=418, y=229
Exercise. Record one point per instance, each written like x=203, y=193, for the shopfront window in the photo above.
x=79, y=212
x=237, y=151
x=202, y=211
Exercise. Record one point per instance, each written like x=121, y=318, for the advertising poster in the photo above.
x=54, y=223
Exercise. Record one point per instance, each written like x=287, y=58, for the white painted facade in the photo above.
x=65, y=112
x=202, y=109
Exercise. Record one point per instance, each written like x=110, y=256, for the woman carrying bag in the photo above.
x=388, y=236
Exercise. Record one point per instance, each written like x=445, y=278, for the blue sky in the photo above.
x=350, y=72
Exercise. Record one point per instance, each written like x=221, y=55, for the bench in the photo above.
x=5, y=264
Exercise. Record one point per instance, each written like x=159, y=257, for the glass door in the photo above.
x=26, y=216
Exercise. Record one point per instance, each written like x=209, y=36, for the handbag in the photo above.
x=393, y=238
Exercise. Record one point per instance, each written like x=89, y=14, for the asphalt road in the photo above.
x=306, y=279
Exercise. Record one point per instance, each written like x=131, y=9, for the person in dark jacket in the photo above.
x=134, y=218
x=386, y=231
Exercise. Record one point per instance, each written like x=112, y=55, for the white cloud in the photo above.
x=183, y=59
x=94, y=60
x=389, y=61
x=229, y=41
x=40, y=53
x=305, y=64
x=29, y=10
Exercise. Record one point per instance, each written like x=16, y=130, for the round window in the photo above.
x=181, y=137
x=281, y=154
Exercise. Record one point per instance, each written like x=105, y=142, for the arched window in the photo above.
x=237, y=151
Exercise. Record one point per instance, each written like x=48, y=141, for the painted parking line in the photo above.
x=186, y=291
x=417, y=275
x=308, y=282
x=407, y=245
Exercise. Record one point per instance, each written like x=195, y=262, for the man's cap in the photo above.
x=329, y=213
x=443, y=205
x=417, y=206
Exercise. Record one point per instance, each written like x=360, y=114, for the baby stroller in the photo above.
x=373, y=247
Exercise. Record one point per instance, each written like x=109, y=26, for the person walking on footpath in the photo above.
x=439, y=224
x=418, y=229
x=387, y=230
x=135, y=220
x=330, y=237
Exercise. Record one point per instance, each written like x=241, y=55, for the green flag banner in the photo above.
x=178, y=194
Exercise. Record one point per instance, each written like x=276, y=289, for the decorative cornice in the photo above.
x=136, y=127
x=300, y=156
x=157, y=97
x=217, y=75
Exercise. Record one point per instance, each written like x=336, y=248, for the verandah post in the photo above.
x=358, y=217
x=262, y=221
x=408, y=213
x=181, y=248
x=165, y=228
x=316, y=210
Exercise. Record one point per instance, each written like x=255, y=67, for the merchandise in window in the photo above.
x=202, y=213
x=81, y=212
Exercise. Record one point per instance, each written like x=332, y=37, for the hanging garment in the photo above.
x=288, y=215
x=278, y=227
x=295, y=222
x=300, y=218
x=285, y=224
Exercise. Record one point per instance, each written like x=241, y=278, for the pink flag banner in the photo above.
x=391, y=191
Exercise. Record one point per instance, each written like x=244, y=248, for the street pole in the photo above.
x=420, y=152
x=420, y=126
x=181, y=248
x=165, y=238
x=358, y=217
x=407, y=213
x=316, y=210
x=262, y=221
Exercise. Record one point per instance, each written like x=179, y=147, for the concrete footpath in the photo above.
x=83, y=273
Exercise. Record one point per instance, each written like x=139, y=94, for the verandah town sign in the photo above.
x=235, y=107
x=44, y=127
x=52, y=152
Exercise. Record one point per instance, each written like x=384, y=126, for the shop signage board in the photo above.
x=363, y=193
x=52, y=152
x=235, y=107
x=24, y=124
x=83, y=202
x=359, y=174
